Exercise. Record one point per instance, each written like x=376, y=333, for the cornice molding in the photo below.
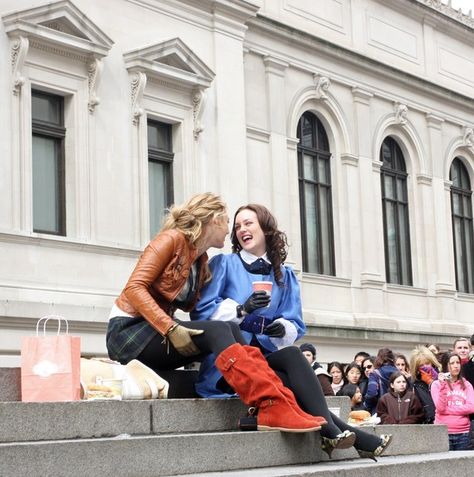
x=305, y=40
x=67, y=244
x=449, y=11
x=361, y=95
x=258, y=134
x=433, y=121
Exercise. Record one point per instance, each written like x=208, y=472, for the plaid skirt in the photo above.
x=127, y=337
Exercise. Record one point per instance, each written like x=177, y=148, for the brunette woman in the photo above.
x=454, y=400
x=336, y=370
x=259, y=254
x=378, y=383
x=169, y=275
x=399, y=405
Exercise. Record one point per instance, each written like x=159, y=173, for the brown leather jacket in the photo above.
x=159, y=275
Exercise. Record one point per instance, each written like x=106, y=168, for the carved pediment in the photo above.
x=170, y=61
x=63, y=25
x=59, y=26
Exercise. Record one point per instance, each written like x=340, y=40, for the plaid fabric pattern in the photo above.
x=127, y=337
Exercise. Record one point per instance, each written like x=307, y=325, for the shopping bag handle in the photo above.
x=59, y=319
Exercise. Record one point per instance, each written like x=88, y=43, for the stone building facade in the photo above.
x=351, y=119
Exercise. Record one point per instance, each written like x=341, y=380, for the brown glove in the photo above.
x=180, y=338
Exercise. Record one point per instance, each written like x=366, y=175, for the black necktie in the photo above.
x=259, y=267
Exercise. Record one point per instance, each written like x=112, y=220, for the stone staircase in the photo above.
x=191, y=437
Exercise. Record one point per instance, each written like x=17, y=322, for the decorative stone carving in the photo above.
x=322, y=85
x=94, y=68
x=468, y=138
x=198, y=100
x=19, y=51
x=138, y=84
x=401, y=113
x=449, y=11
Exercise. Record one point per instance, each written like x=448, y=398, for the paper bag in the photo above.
x=50, y=365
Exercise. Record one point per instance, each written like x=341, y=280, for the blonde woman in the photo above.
x=169, y=275
x=424, y=369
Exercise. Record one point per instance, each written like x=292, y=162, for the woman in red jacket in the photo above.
x=399, y=405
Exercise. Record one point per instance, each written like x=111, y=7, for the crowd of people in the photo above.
x=244, y=336
x=432, y=386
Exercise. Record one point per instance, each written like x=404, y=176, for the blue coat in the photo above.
x=231, y=280
x=378, y=385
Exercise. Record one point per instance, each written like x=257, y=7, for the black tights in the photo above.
x=296, y=373
x=217, y=336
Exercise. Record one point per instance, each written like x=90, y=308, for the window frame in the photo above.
x=398, y=173
x=463, y=193
x=161, y=156
x=318, y=135
x=57, y=132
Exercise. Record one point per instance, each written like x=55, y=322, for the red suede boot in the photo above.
x=258, y=356
x=259, y=386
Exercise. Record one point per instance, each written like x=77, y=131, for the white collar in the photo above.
x=250, y=257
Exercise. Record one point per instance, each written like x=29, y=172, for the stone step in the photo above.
x=192, y=453
x=427, y=465
x=22, y=421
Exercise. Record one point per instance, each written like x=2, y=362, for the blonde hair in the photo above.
x=191, y=217
x=419, y=356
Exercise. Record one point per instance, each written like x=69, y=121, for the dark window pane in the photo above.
x=46, y=187
x=461, y=209
x=160, y=184
x=48, y=184
x=389, y=189
x=308, y=166
x=159, y=136
x=311, y=228
x=315, y=196
x=46, y=108
x=396, y=219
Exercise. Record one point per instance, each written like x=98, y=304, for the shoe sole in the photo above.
x=346, y=443
x=284, y=429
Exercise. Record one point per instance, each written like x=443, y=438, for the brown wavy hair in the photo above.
x=445, y=359
x=275, y=240
x=384, y=356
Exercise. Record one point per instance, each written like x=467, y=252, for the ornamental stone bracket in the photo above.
x=199, y=96
x=94, y=70
x=322, y=84
x=468, y=138
x=401, y=113
x=138, y=83
x=19, y=50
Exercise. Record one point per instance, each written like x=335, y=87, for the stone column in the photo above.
x=276, y=109
x=230, y=162
x=369, y=215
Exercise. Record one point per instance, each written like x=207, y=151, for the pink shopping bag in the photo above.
x=50, y=364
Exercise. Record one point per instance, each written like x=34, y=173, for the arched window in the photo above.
x=314, y=174
x=461, y=211
x=395, y=214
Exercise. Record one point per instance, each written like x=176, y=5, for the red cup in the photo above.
x=262, y=285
